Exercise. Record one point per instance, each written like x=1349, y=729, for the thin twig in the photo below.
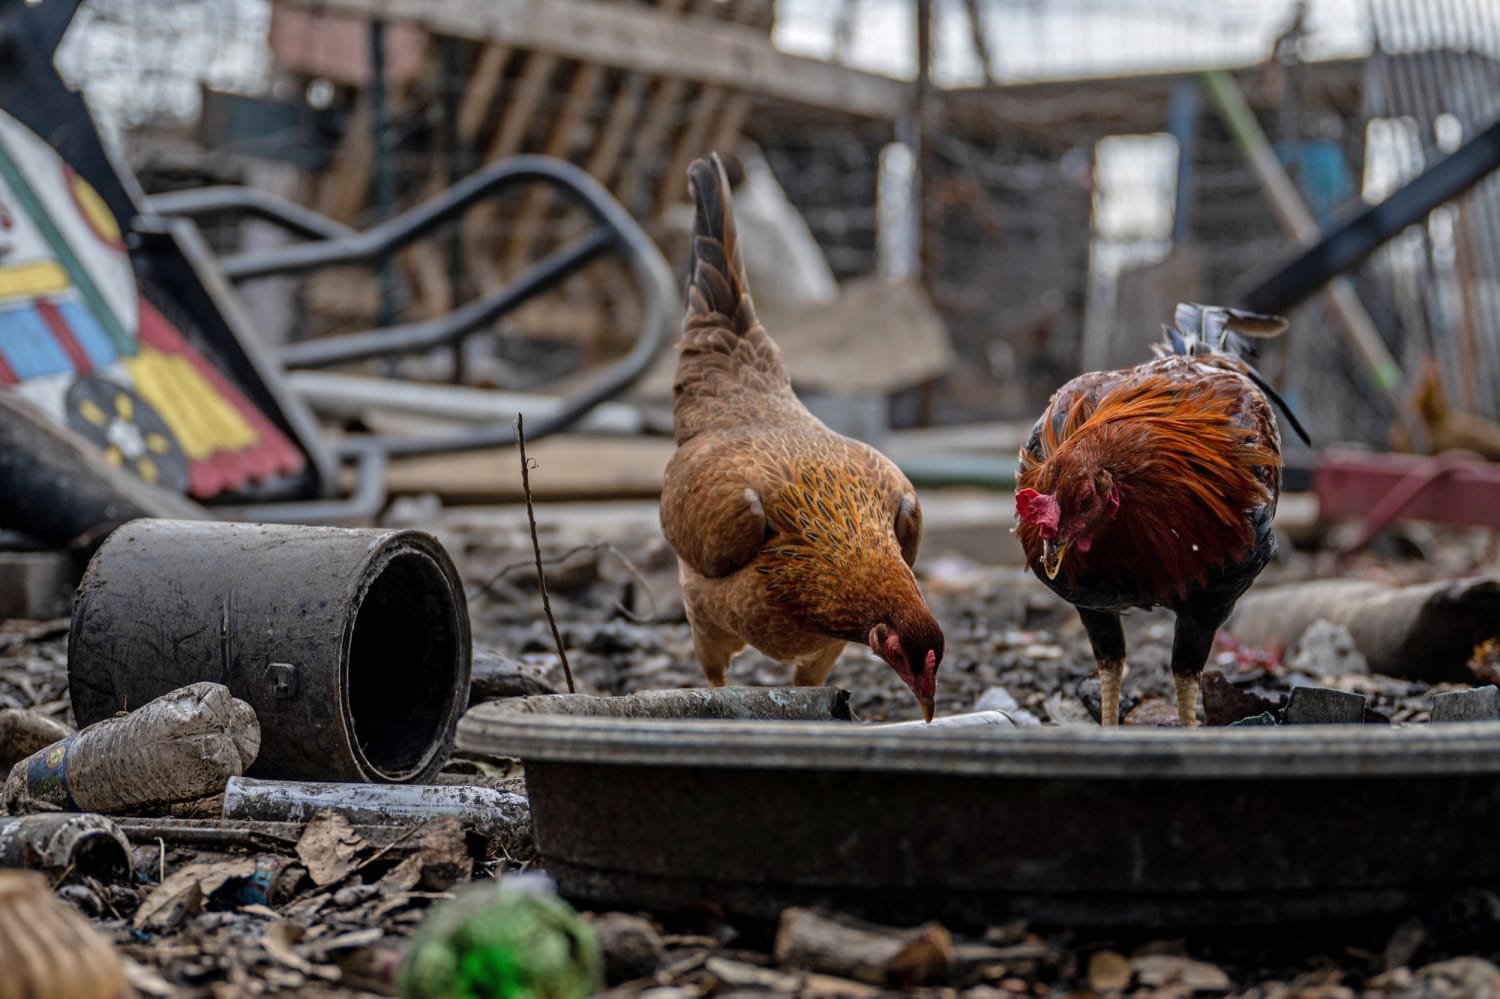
x=536, y=547
x=631, y=569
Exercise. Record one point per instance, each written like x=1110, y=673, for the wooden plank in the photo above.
x=621, y=116
x=479, y=225
x=666, y=99
x=707, y=110
x=568, y=466
x=731, y=123
x=538, y=200
x=519, y=109
x=692, y=143
x=479, y=95
x=344, y=188
x=648, y=141
x=627, y=36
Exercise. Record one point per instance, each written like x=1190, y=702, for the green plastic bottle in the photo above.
x=506, y=939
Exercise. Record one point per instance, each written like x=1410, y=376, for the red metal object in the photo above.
x=1451, y=488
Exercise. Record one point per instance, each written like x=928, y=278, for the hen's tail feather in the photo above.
x=717, y=287
x=1203, y=329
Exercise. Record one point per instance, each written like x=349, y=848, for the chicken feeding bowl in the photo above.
x=1079, y=826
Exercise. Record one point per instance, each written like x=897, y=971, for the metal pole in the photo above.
x=385, y=178
x=918, y=137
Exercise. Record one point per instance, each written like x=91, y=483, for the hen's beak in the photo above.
x=928, y=707
x=1052, y=556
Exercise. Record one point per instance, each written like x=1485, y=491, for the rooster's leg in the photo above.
x=1187, y=698
x=1191, y=643
x=1108, y=639
x=1110, y=674
x=813, y=671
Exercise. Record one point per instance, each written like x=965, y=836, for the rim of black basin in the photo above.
x=1287, y=751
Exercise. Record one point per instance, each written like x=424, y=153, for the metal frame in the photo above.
x=335, y=244
x=332, y=243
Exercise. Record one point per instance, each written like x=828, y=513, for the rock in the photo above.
x=495, y=675
x=1157, y=971
x=1088, y=692
x=1478, y=704
x=1264, y=718
x=1457, y=977
x=1225, y=703
x=1000, y=699
x=632, y=947
x=1065, y=710
x=1324, y=706
x=1327, y=649
x=1154, y=713
x=1109, y=971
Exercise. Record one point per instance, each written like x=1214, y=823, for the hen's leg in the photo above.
x=1108, y=639
x=1191, y=643
x=714, y=647
x=813, y=671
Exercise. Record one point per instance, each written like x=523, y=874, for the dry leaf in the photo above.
x=145, y=981
x=278, y=940
x=1108, y=971
x=184, y=891
x=443, y=848
x=329, y=847
x=404, y=876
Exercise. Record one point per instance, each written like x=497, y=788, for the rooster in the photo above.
x=1155, y=486
x=789, y=537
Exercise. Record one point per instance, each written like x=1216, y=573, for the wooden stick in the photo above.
x=536, y=547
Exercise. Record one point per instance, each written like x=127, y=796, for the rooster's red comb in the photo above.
x=1039, y=509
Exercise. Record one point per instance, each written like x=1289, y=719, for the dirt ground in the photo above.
x=343, y=901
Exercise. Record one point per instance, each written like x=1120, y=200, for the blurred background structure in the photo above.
x=1074, y=175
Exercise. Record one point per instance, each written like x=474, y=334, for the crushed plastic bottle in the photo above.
x=180, y=747
x=507, y=939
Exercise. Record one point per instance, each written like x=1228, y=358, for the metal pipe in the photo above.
x=370, y=244
x=201, y=202
x=338, y=394
x=352, y=646
x=429, y=333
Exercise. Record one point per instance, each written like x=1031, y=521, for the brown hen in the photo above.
x=789, y=537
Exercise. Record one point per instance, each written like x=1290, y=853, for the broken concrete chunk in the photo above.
x=1324, y=706
x=1478, y=704
x=1327, y=649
